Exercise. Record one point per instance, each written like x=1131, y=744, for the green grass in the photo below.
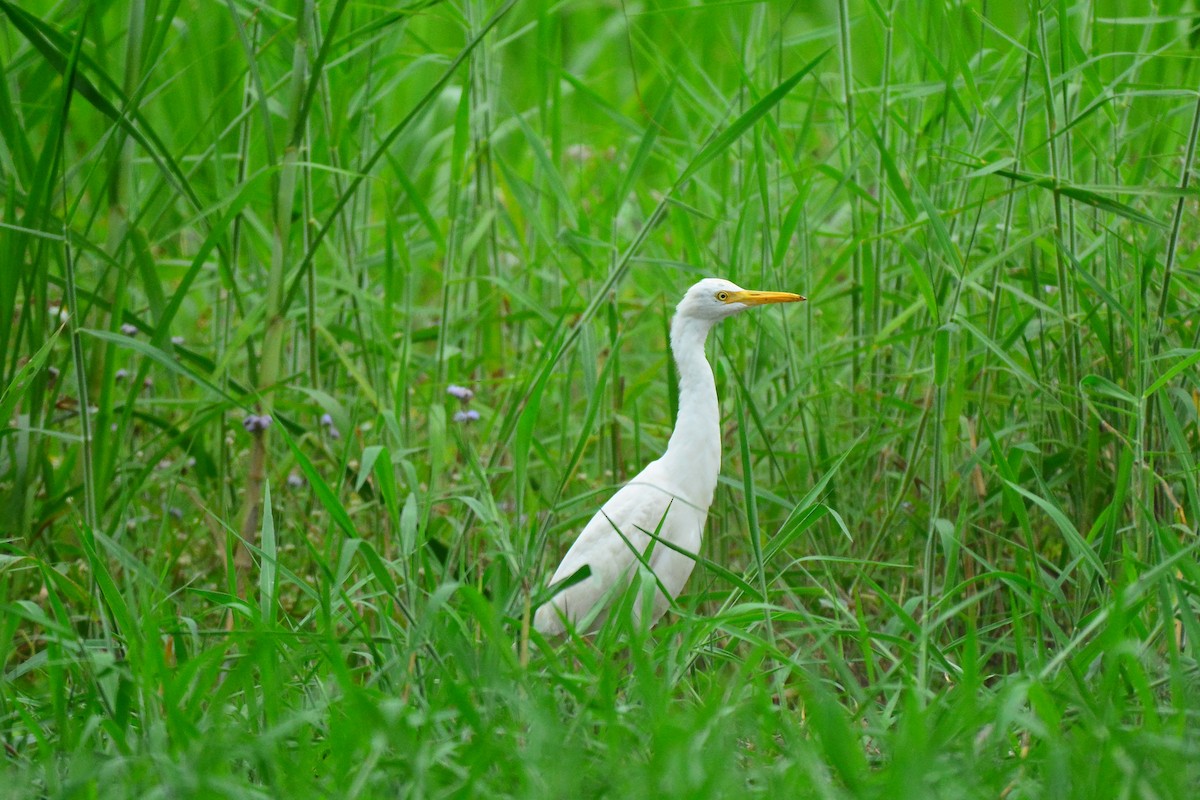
x=954, y=548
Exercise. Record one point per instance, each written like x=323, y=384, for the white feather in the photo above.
x=672, y=494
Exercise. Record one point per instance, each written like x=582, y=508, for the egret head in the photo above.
x=714, y=299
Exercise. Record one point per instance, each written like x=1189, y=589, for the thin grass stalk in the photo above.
x=1149, y=407
x=91, y=516
x=750, y=506
x=70, y=283
x=483, y=73
x=1065, y=293
x=775, y=43
x=457, y=229
x=418, y=110
x=1009, y=206
x=762, y=166
x=359, y=208
x=362, y=233
x=856, y=312
x=120, y=192
x=276, y=324
x=79, y=362
x=12, y=241
x=1185, y=176
x=30, y=242
x=936, y=483
x=255, y=76
x=881, y=220
x=907, y=480
x=488, y=337
x=223, y=302
x=550, y=38
x=939, y=189
x=1064, y=69
x=810, y=343
x=310, y=317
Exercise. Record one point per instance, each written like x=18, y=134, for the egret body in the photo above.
x=671, y=496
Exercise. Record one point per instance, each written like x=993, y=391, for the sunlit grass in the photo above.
x=953, y=550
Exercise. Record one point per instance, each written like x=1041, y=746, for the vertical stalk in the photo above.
x=1064, y=286
x=310, y=318
x=120, y=193
x=224, y=301
x=1068, y=158
x=1147, y=406
x=1009, y=204
x=1185, y=175
x=80, y=368
x=91, y=516
x=856, y=313
x=358, y=208
x=273, y=338
x=491, y=341
x=881, y=220
x=73, y=320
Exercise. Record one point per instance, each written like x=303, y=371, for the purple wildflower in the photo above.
x=129, y=329
x=294, y=480
x=461, y=392
x=122, y=374
x=470, y=415
x=255, y=423
x=326, y=421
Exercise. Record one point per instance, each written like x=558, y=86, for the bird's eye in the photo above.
x=722, y=296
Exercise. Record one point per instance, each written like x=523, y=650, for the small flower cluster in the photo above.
x=327, y=424
x=122, y=375
x=129, y=329
x=463, y=394
x=256, y=423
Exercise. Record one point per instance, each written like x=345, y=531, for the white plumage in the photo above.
x=672, y=494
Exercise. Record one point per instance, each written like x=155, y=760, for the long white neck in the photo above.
x=694, y=452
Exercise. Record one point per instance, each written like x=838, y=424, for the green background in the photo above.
x=953, y=550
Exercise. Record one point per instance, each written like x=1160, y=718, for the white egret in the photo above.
x=671, y=496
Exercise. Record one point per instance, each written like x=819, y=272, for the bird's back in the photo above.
x=649, y=504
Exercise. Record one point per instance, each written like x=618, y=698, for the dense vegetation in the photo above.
x=251, y=546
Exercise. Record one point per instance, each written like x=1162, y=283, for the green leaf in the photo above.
x=268, y=559
x=1188, y=361
x=722, y=141
x=16, y=389
x=1098, y=384
x=159, y=357
x=1091, y=198
x=645, y=148
x=1075, y=542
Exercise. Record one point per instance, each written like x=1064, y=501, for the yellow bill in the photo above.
x=751, y=298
